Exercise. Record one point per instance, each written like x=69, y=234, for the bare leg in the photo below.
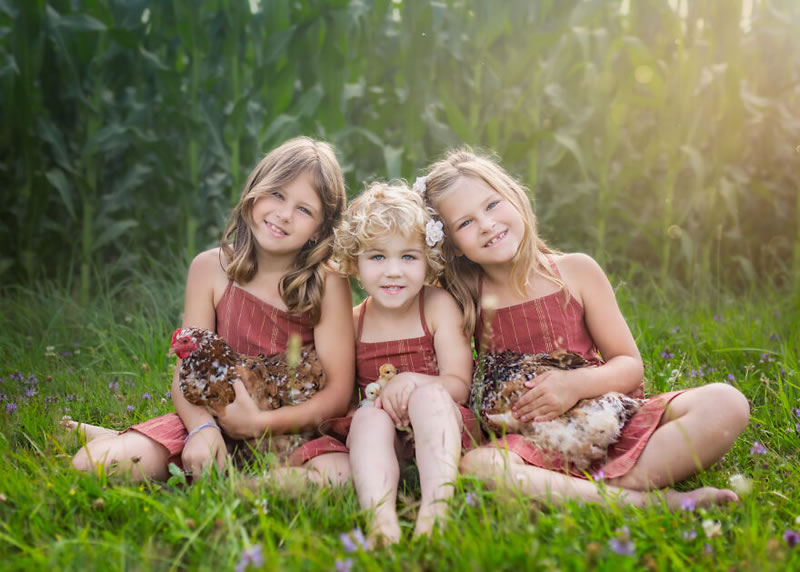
x=330, y=469
x=697, y=429
x=500, y=468
x=375, y=470
x=86, y=431
x=130, y=451
x=437, y=438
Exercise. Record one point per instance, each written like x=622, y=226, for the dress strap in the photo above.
x=361, y=313
x=422, y=312
x=553, y=265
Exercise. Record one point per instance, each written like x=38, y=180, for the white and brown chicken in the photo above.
x=581, y=435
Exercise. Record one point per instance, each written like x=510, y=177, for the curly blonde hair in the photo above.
x=301, y=288
x=461, y=276
x=380, y=210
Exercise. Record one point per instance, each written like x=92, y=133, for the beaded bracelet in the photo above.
x=203, y=426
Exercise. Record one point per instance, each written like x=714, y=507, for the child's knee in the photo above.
x=371, y=416
x=481, y=462
x=732, y=401
x=428, y=396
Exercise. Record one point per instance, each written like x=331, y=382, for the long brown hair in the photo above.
x=301, y=288
x=461, y=276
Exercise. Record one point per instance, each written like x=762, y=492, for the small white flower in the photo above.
x=741, y=484
x=420, y=185
x=712, y=528
x=433, y=232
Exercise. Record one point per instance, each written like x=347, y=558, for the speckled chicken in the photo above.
x=582, y=435
x=209, y=367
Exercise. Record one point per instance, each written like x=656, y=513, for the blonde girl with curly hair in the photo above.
x=390, y=242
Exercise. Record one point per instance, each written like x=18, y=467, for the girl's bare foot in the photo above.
x=698, y=498
x=427, y=519
x=384, y=532
x=86, y=431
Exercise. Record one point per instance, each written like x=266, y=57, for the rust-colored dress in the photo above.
x=545, y=324
x=411, y=354
x=250, y=326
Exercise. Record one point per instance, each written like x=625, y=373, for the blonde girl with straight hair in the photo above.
x=269, y=280
x=543, y=300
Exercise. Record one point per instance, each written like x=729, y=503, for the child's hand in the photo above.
x=551, y=395
x=241, y=418
x=394, y=397
x=202, y=449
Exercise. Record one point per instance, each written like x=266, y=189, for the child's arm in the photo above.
x=556, y=391
x=198, y=311
x=453, y=357
x=333, y=339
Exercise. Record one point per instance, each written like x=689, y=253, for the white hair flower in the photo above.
x=420, y=185
x=434, y=232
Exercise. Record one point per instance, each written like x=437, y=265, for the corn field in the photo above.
x=660, y=136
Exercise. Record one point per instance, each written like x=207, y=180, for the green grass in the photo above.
x=52, y=517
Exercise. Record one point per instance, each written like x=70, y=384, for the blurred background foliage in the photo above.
x=660, y=136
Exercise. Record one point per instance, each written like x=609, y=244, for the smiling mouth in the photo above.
x=496, y=239
x=275, y=230
x=393, y=289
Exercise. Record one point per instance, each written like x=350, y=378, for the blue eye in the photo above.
x=377, y=257
x=491, y=205
x=277, y=194
x=304, y=210
x=463, y=224
x=409, y=257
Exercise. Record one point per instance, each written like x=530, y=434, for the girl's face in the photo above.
x=484, y=227
x=286, y=219
x=392, y=269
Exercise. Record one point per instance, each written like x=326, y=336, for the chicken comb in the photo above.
x=175, y=336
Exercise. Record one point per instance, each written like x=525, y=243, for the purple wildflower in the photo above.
x=17, y=376
x=344, y=565
x=622, y=545
x=689, y=534
x=717, y=318
x=131, y=407
x=250, y=556
x=796, y=411
x=731, y=377
x=783, y=372
x=146, y=396
x=689, y=504
x=11, y=408
x=31, y=392
x=2, y=379
x=169, y=394
x=3, y=397
x=708, y=550
x=666, y=354
x=757, y=449
x=791, y=537
x=113, y=386
x=354, y=540
x=773, y=337
x=599, y=475
x=472, y=499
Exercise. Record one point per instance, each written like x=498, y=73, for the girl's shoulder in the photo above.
x=207, y=269
x=579, y=272
x=440, y=308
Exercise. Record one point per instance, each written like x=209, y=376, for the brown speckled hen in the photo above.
x=582, y=435
x=209, y=367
